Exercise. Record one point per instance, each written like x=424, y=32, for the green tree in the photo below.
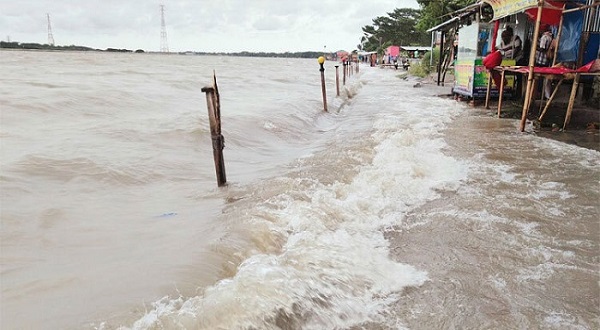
x=434, y=12
x=397, y=28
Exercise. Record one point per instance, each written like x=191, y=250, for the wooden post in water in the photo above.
x=213, y=104
x=321, y=61
x=337, y=80
x=345, y=69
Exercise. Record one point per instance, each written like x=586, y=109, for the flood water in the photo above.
x=397, y=209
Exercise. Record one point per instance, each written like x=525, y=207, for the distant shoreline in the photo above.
x=16, y=46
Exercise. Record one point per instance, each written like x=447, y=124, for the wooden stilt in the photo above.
x=572, y=100
x=583, y=43
x=501, y=92
x=487, y=93
x=534, y=45
x=532, y=95
x=550, y=100
x=543, y=94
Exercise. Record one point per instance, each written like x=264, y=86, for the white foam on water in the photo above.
x=559, y=320
x=333, y=268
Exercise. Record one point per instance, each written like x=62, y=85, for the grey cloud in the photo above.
x=193, y=24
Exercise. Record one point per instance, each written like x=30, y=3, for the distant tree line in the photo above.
x=33, y=45
x=307, y=54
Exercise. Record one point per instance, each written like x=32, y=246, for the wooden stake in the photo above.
x=214, y=118
x=345, y=69
x=534, y=45
x=337, y=80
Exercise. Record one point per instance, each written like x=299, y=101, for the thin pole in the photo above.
x=585, y=36
x=501, y=92
x=442, y=52
x=433, y=33
x=534, y=45
x=322, y=69
x=572, y=100
x=558, y=36
x=581, y=8
x=337, y=80
x=550, y=100
x=487, y=93
x=548, y=81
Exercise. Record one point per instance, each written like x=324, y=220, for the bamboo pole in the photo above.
x=549, y=81
x=558, y=35
x=533, y=89
x=534, y=44
x=337, y=80
x=501, y=91
x=581, y=8
x=214, y=113
x=572, y=100
x=321, y=61
x=487, y=93
x=585, y=35
x=550, y=100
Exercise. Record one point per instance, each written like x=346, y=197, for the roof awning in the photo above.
x=413, y=48
x=446, y=23
x=503, y=8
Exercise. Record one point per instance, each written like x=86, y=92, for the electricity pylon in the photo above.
x=164, y=46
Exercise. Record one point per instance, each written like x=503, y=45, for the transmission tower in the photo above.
x=164, y=46
x=50, y=36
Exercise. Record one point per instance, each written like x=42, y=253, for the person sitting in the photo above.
x=511, y=45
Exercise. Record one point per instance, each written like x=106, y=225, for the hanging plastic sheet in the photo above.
x=571, y=35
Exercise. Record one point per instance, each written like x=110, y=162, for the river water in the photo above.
x=396, y=209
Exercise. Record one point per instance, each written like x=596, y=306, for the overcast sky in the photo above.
x=218, y=25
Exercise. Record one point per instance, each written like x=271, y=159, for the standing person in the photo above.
x=541, y=54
